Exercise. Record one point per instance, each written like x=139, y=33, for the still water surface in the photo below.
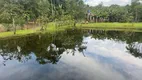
x=73, y=55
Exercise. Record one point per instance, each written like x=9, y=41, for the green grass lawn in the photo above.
x=51, y=28
x=18, y=33
x=112, y=25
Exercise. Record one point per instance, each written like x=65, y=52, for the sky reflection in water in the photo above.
x=103, y=59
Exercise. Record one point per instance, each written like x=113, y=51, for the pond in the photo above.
x=72, y=55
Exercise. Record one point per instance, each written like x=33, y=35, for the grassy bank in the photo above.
x=18, y=33
x=112, y=25
x=51, y=28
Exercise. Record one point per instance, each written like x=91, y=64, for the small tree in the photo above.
x=43, y=16
x=10, y=13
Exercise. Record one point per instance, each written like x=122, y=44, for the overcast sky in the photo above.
x=107, y=2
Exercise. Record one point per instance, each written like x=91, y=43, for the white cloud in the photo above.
x=107, y=2
x=117, y=50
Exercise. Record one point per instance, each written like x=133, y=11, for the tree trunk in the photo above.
x=14, y=25
x=136, y=17
x=42, y=24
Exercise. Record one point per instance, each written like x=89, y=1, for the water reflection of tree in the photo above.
x=135, y=49
x=133, y=39
x=47, y=48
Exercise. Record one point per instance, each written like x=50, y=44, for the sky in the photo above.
x=107, y=2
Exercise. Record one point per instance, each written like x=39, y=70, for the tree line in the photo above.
x=117, y=13
x=19, y=12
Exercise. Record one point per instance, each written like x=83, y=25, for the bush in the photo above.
x=65, y=20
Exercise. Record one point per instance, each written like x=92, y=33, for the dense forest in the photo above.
x=19, y=12
x=46, y=10
x=116, y=13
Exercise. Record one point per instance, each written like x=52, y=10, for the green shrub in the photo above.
x=65, y=20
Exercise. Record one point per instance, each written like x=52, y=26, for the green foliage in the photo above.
x=65, y=20
x=116, y=13
x=41, y=11
x=64, y=12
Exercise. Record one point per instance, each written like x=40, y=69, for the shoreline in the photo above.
x=137, y=27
